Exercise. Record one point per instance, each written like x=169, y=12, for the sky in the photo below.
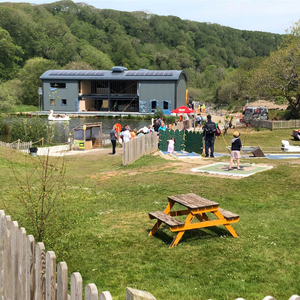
x=274, y=16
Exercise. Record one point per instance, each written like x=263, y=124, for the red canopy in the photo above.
x=182, y=110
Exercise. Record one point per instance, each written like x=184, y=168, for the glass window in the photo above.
x=58, y=85
x=63, y=101
x=52, y=101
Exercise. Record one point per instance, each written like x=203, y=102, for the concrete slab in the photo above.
x=223, y=169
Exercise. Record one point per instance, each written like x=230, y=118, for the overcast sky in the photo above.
x=271, y=16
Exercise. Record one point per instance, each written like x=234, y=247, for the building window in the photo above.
x=52, y=101
x=153, y=105
x=63, y=101
x=58, y=85
x=166, y=105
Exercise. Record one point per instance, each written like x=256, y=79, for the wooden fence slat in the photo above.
x=22, y=263
x=76, y=286
x=105, y=296
x=30, y=268
x=91, y=292
x=50, y=276
x=14, y=260
x=40, y=268
x=2, y=240
x=62, y=281
x=7, y=260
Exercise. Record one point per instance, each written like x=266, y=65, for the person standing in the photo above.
x=126, y=135
x=113, y=139
x=236, y=147
x=171, y=144
x=209, y=135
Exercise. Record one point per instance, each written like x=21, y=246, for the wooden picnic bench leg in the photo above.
x=228, y=226
x=231, y=230
x=176, y=239
x=179, y=235
x=155, y=227
x=158, y=223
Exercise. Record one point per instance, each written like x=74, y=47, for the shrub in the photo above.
x=28, y=129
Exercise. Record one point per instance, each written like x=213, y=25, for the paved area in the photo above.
x=223, y=169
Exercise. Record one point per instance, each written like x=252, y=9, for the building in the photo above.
x=116, y=90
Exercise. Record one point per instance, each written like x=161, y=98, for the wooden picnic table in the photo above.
x=197, y=207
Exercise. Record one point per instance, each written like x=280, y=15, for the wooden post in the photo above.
x=91, y=292
x=76, y=286
x=50, y=276
x=62, y=281
x=42, y=142
x=18, y=144
x=105, y=296
x=14, y=260
x=22, y=263
x=272, y=128
x=40, y=266
x=30, y=268
x=2, y=240
x=7, y=259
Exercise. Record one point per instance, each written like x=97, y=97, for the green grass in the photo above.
x=24, y=108
x=107, y=205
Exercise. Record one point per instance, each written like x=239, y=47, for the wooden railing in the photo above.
x=139, y=146
x=275, y=124
x=17, y=145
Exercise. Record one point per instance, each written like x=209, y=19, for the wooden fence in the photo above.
x=139, y=146
x=275, y=124
x=27, y=272
x=17, y=145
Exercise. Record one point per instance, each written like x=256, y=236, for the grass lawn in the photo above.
x=106, y=209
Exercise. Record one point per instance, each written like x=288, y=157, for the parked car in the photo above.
x=256, y=112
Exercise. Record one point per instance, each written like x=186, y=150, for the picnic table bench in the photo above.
x=197, y=207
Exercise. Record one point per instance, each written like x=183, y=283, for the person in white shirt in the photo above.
x=126, y=135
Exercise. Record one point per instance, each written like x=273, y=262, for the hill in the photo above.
x=79, y=36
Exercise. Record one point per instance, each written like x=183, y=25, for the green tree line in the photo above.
x=65, y=35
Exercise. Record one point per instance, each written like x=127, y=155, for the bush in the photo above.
x=280, y=100
x=28, y=129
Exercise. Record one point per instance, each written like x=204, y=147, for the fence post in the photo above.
x=22, y=262
x=2, y=240
x=18, y=144
x=30, y=268
x=62, y=281
x=105, y=296
x=14, y=259
x=91, y=292
x=40, y=262
x=76, y=286
x=42, y=142
x=50, y=276
x=272, y=128
x=7, y=259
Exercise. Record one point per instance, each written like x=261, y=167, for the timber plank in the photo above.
x=193, y=201
x=168, y=220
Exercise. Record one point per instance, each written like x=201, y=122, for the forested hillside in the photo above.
x=35, y=38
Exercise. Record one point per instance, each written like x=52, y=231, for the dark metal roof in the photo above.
x=140, y=75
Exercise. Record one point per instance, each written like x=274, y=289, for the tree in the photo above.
x=30, y=77
x=280, y=75
x=10, y=94
x=10, y=55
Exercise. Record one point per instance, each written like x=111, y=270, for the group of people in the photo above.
x=127, y=134
x=210, y=133
x=209, y=136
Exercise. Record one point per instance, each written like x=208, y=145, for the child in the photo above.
x=236, y=146
x=171, y=144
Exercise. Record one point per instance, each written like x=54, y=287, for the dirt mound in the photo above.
x=268, y=104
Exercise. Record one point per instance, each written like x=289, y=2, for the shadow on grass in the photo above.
x=166, y=236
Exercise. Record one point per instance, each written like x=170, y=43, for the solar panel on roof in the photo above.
x=149, y=73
